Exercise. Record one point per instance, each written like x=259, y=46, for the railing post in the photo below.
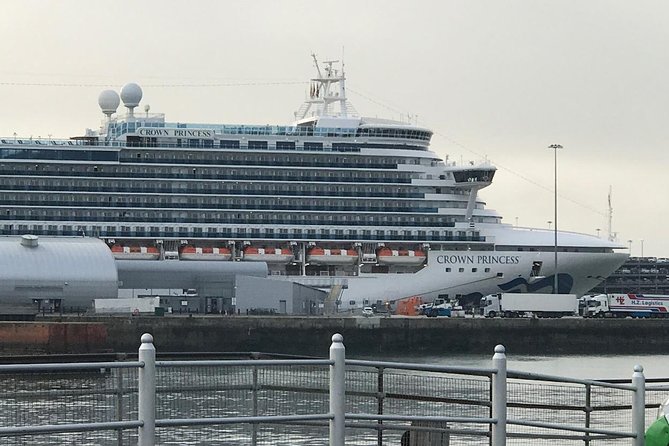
x=254, y=426
x=588, y=411
x=638, y=405
x=380, y=396
x=337, y=391
x=119, y=404
x=499, y=396
x=147, y=392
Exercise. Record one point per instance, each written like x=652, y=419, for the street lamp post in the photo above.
x=640, y=259
x=555, y=148
x=638, y=288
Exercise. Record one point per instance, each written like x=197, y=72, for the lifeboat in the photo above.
x=190, y=252
x=135, y=252
x=387, y=256
x=270, y=255
x=332, y=256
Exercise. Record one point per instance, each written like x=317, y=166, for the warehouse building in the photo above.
x=55, y=273
x=63, y=274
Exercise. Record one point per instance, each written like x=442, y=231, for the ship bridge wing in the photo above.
x=473, y=176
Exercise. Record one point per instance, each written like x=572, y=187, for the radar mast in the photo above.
x=323, y=98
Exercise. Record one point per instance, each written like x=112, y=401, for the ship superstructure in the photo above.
x=361, y=206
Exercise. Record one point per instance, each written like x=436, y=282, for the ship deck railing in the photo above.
x=223, y=233
x=333, y=401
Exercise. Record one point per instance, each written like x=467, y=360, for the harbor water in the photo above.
x=217, y=392
x=599, y=367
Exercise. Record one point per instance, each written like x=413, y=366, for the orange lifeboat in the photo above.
x=335, y=256
x=135, y=252
x=270, y=255
x=190, y=252
x=389, y=256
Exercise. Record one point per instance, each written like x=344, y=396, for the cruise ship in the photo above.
x=361, y=207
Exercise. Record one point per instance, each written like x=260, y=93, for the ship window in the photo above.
x=474, y=270
x=461, y=270
x=448, y=270
x=258, y=145
x=285, y=145
x=226, y=144
x=487, y=270
x=313, y=146
x=536, y=269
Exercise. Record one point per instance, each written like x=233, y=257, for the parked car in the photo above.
x=367, y=312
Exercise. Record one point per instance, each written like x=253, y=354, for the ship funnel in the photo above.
x=131, y=94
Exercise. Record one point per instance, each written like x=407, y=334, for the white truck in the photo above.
x=623, y=305
x=526, y=304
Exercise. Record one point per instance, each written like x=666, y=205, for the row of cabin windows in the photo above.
x=201, y=173
x=185, y=201
x=274, y=159
x=256, y=144
x=462, y=270
x=189, y=217
x=218, y=187
x=209, y=186
x=156, y=231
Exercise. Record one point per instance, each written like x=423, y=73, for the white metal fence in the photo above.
x=330, y=401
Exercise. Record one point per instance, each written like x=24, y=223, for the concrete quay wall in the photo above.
x=311, y=335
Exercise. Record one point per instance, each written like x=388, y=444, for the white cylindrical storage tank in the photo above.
x=75, y=270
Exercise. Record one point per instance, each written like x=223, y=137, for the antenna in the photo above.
x=323, y=100
x=612, y=235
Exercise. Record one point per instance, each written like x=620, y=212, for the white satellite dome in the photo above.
x=108, y=101
x=131, y=94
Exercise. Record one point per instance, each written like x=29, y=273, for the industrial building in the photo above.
x=55, y=273
x=215, y=287
x=64, y=274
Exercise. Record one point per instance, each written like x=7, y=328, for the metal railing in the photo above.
x=317, y=401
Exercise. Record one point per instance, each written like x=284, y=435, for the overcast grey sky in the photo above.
x=500, y=79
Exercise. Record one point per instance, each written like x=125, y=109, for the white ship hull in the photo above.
x=580, y=273
x=471, y=273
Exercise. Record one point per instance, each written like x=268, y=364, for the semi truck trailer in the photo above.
x=529, y=304
x=623, y=305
